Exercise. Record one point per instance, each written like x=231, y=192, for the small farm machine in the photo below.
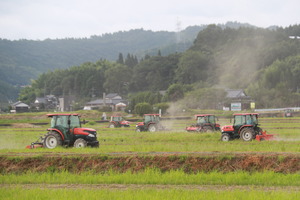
x=118, y=121
x=151, y=123
x=66, y=131
x=245, y=127
x=205, y=123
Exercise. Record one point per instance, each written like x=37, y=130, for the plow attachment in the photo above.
x=34, y=146
x=264, y=136
x=37, y=144
x=193, y=128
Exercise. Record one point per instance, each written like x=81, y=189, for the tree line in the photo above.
x=263, y=62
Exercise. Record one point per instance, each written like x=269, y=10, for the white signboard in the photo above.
x=236, y=106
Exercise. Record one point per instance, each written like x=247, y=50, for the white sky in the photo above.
x=41, y=19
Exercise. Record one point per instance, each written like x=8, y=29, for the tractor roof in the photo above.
x=202, y=115
x=245, y=114
x=62, y=114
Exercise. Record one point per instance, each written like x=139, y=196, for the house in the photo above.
x=19, y=107
x=112, y=100
x=47, y=102
x=237, y=100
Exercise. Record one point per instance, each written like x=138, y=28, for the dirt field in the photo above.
x=282, y=163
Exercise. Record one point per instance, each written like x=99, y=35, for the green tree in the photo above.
x=142, y=97
x=142, y=108
x=193, y=66
x=120, y=59
x=117, y=79
x=175, y=92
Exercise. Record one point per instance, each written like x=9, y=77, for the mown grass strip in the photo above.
x=145, y=194
x=153, y=176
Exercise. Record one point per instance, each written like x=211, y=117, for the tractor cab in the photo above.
x=205, y=123
x=65, y=123
x=240, y=120
x=151, y=118
x=151, y=123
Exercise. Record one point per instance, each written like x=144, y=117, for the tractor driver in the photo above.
x=249, y=119
x=202, y=120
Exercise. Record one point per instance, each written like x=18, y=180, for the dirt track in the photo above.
x=282, y=163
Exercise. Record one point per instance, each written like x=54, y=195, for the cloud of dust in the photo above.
x=239, y=60
x=175, y=110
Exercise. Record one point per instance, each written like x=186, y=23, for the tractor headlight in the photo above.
x=91, y=135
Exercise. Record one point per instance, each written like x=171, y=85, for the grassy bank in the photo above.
x=152, y=176
x=145, y=194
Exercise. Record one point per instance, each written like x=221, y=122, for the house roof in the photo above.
x=107, y=101
x=235, y=93
x=19, y=104
x=111, y=95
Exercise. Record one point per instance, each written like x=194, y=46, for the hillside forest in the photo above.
x=263, y=62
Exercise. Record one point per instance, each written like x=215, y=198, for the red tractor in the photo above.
x=245, y=127
x=66, y=131
x=118, y=121
x=205, y=123
x=151, y=123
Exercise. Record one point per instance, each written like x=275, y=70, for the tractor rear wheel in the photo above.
x=225, y=137
x=52, y=140
x=247, y=134
x=112, y=125
x=80, y=143
x=152, y=128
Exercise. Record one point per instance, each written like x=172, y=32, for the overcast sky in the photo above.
x=41, y=19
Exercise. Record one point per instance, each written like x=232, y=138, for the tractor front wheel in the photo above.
x=225, y=137
x=52, y=140
x=80, y=143
x=247, y=134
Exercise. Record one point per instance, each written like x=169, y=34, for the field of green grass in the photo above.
x=151, y=183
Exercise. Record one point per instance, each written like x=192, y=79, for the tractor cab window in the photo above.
x=59, y=121
x=117, y=119
x=239, y=120
x=74, y=121
x=211, y=119
x=201, y=120
x=254, y=119
x=249, y=120
x=147, y=118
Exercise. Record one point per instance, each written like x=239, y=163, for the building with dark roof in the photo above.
x=237, y=100
x=112, y=100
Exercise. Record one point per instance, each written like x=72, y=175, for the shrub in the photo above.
x=142, y=108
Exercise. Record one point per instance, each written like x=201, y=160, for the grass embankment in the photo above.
x=150, y=184
x=157, y=194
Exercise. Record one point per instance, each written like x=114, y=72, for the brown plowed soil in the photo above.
x=135, y=163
